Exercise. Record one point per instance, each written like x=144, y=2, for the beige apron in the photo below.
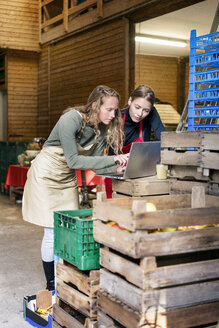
x=51, y=186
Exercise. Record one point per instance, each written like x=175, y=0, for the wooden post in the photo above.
x=138, y=206
x=40, y=21
x=100, y=8
x=198, y=197
x=65, y=15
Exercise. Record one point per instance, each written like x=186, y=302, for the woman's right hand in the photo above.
x=121, y=159
x=120, y=169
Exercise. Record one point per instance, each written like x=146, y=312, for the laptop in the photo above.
x=142, y=161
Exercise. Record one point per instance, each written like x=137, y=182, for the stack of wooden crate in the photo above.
x=160, y=267
x=77, y=271
x=147, y=186
x=76, y=303
x=193, y=159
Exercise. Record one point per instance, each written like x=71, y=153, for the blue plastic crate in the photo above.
x=204, y=42
x=208, y=94
x=207, y=59
x=205, y=77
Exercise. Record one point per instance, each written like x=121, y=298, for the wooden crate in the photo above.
x=163, y=272
x=67, y=317
x=172, y=211
x=78, y=288
x=191, y=148
x=141, y=187
x=178, y=186
x=203, y=314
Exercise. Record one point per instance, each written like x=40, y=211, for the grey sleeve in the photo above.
x=69, y=127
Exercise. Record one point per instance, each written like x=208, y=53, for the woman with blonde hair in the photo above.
x=77, y=142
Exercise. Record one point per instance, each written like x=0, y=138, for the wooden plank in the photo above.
x=164, y=212
x=181, y=139
x=166, y=298
x=65, y=15
x=118, y=311
x=65, y=319
x=142, y=244
x=100, y=8
x=52, y=20
x=70, y=274
x=210, y=160
x=77, y=300
x=171, y=157
x=147, y=275
x=187, y=172
x=141, y=187
x=184, y=186
x=105, y=321
x=182, y=318
x=210, y=141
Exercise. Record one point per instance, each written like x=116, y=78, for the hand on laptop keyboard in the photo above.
x=121, y=159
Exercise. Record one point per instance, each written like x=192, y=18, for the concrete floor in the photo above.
x=21, y=271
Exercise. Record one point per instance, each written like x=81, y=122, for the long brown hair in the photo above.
x=115, y=134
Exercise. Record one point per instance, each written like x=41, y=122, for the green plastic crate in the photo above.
x=73, y=239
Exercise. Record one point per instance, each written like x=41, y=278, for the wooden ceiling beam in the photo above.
x=160, y=7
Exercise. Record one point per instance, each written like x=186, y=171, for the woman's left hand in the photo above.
x=121, y=159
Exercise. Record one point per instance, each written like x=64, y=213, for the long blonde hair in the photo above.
x=115, y=134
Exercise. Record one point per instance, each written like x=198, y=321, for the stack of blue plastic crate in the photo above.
x=203, y=111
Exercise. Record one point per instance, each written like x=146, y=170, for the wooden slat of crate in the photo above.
x=181, y=139
x=181, y=318
x=88, y=284
x=141, y=187
x=173, y=157
x=185, y=186
x=187, y=172
x=165, y=298
x=210, y=141
x=172, y=211
x=141, y=244
x=210, y=160
x=147, y=274
x=65, y=318
x=76, y=299
x=106, y=321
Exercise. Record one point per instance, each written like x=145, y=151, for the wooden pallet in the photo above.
x=78, y=288
x=172, y=211
x=203, y=314
x=67, y=317
x=141, y=187
x=203, y=149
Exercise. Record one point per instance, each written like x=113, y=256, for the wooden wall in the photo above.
x=22, y=88
x=71, y=68
x=160, y=73
x=19, y=24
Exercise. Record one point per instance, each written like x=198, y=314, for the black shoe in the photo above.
x=49, y=273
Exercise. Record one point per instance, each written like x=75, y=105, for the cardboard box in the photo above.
x=42, y=299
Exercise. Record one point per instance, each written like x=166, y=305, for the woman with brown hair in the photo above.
x=77, y=142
